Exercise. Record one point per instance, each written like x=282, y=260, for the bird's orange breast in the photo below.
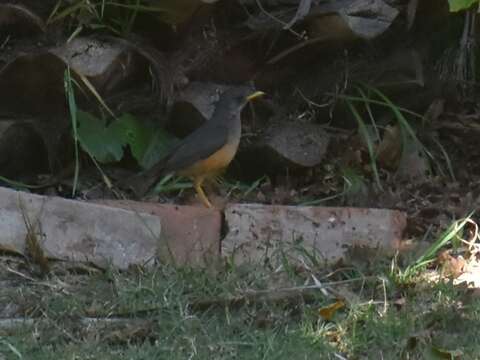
x=213, y=164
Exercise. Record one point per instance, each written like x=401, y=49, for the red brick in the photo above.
x=190, y=234
x=259, y=233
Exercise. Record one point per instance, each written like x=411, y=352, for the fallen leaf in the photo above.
x=389, y=151
x=452, y=267
x=329, y=311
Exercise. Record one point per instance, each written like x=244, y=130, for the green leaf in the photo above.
x=98, y=140
x=147, y=143
x=458, y=5
x=133, y=132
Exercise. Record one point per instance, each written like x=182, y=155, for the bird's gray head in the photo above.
x=235, y=98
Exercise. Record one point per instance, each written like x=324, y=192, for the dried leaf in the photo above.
x=452, y=267
x=389, y=151
x=329, y=311
x=33, y=249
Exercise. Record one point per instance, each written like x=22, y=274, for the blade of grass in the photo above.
x=77, y=31
x=446, y=157
x=12, y=348
x=401, y=119
x=139, y=8
x=54, y=11
x=447, y=236
x=18, y=184
x=57, y=15
x=351, y=184
x=376, y=102
x=72, y=106
x=322, y=200
x=131, y=19
x=370, y=114
x=362, y=128
x=92, y=89
x=254, y=185
x=168, y=184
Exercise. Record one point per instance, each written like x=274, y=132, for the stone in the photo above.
x=268, y=234
x=297, y=144
x=105, y=64
x=194, y=105
x=77, y=230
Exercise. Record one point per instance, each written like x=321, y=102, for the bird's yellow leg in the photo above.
x=197, y=183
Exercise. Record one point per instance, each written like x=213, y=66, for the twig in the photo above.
x=311, y=102
x=271, y=295
x=26, y=277
x=280, y=21
x=295, y=48
x=5, y=42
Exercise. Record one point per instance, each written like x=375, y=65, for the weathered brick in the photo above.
x=258, y=233
x=190, y=234
x=77, y=230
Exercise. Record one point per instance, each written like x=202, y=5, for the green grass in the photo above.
x=168, y=313
x=368, y=129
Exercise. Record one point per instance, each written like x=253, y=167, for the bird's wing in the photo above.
x=199, y=145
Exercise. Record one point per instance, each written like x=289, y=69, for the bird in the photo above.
x=205, y=152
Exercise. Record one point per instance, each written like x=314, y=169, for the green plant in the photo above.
x=353, y=183
x=449, y=236
x=243, y=188
x=170, y=183
x=459, y=5
x=362, y=129
x=72, y=107
x=117, y=17
x=371, y=96
x=107, y=142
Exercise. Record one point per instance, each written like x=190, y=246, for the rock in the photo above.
x=297, y=144
x=281, y=146
x=190, y=234
x=194, y=105
x=369, y=19
x=268, y=234
x=22, y=151
x=19, y=19
x=33, y=85
x=79, y=231
x=105, y=64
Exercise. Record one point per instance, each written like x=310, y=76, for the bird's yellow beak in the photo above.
x=255, y=95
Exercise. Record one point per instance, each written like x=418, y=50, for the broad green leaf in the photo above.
x=96, y=139
x=458, y=5
x=147, y=143
x=133, y=132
